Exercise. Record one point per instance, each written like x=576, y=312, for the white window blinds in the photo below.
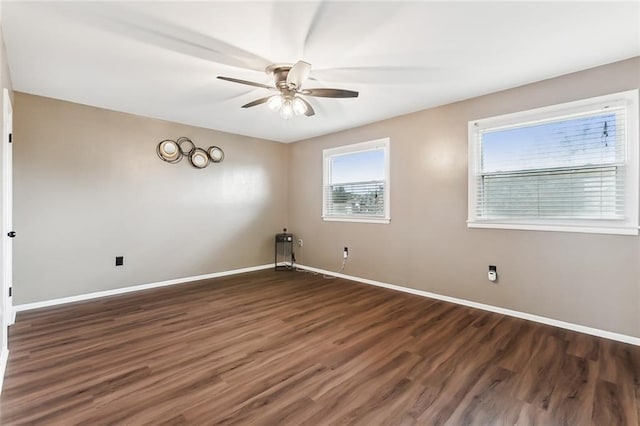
x=356, y=179
x=571, y=168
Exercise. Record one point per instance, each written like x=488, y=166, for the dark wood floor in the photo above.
x=279, y=348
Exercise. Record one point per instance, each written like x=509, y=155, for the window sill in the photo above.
x=356, y=219
x=588, y=229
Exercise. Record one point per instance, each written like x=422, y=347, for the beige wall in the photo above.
x=88, y=186
x=587, y=279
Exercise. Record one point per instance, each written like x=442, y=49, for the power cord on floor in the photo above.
x=302, y=270
x=328, y=277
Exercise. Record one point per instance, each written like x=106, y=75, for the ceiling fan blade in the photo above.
x=387, y=75
x=256, y=102
x=298, y=74
x=249, y=83
x=138, y=24
x=310, y=111
x=330, y=93
x=312, y=29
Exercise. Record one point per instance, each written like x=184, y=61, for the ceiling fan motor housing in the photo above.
x=279, y=72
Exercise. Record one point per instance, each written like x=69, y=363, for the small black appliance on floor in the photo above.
x=284, y=258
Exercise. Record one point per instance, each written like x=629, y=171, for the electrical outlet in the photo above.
x=493, y=273
x=345, y=253
x=299, y=242
x=119, y=260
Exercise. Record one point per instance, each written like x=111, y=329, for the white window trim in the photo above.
x=383, y=143
x=629, y=99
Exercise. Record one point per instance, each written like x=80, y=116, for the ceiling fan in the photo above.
x=288, y=81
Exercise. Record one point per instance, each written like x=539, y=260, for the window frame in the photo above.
x=329, y=153
x=627, y=226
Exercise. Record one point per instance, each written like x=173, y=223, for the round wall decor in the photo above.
x=199, y=158
x=169, y=151
x=186, y=146
x=216, y=154
x=172, y=152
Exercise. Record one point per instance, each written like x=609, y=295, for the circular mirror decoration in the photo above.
x=172, y=152
x=216, y=154
x=186, y=146
x=199, y=158
x=169, y=151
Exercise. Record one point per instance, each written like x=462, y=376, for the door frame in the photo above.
x=8, y=314
x=7, y=210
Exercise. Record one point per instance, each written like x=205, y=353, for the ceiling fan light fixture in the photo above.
x=286, y=111
x=275, y=102
x=291, y=99
x=299, y=107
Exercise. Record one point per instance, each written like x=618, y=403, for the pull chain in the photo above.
x=605, y=134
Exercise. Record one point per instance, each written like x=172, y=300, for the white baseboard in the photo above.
x=517, y=314
x=4, y=357
x=123, y=290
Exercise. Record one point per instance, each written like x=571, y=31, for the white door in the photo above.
x=7, y=210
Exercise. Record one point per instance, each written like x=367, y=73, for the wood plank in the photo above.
x=612, y=405
x=574, y=390
x=536, y=381
x=488, y=401
x=291, y=348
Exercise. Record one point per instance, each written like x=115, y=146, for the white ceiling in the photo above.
x=161, y=59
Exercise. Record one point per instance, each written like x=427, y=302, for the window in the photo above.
x=356, y=182
x=569, y=167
